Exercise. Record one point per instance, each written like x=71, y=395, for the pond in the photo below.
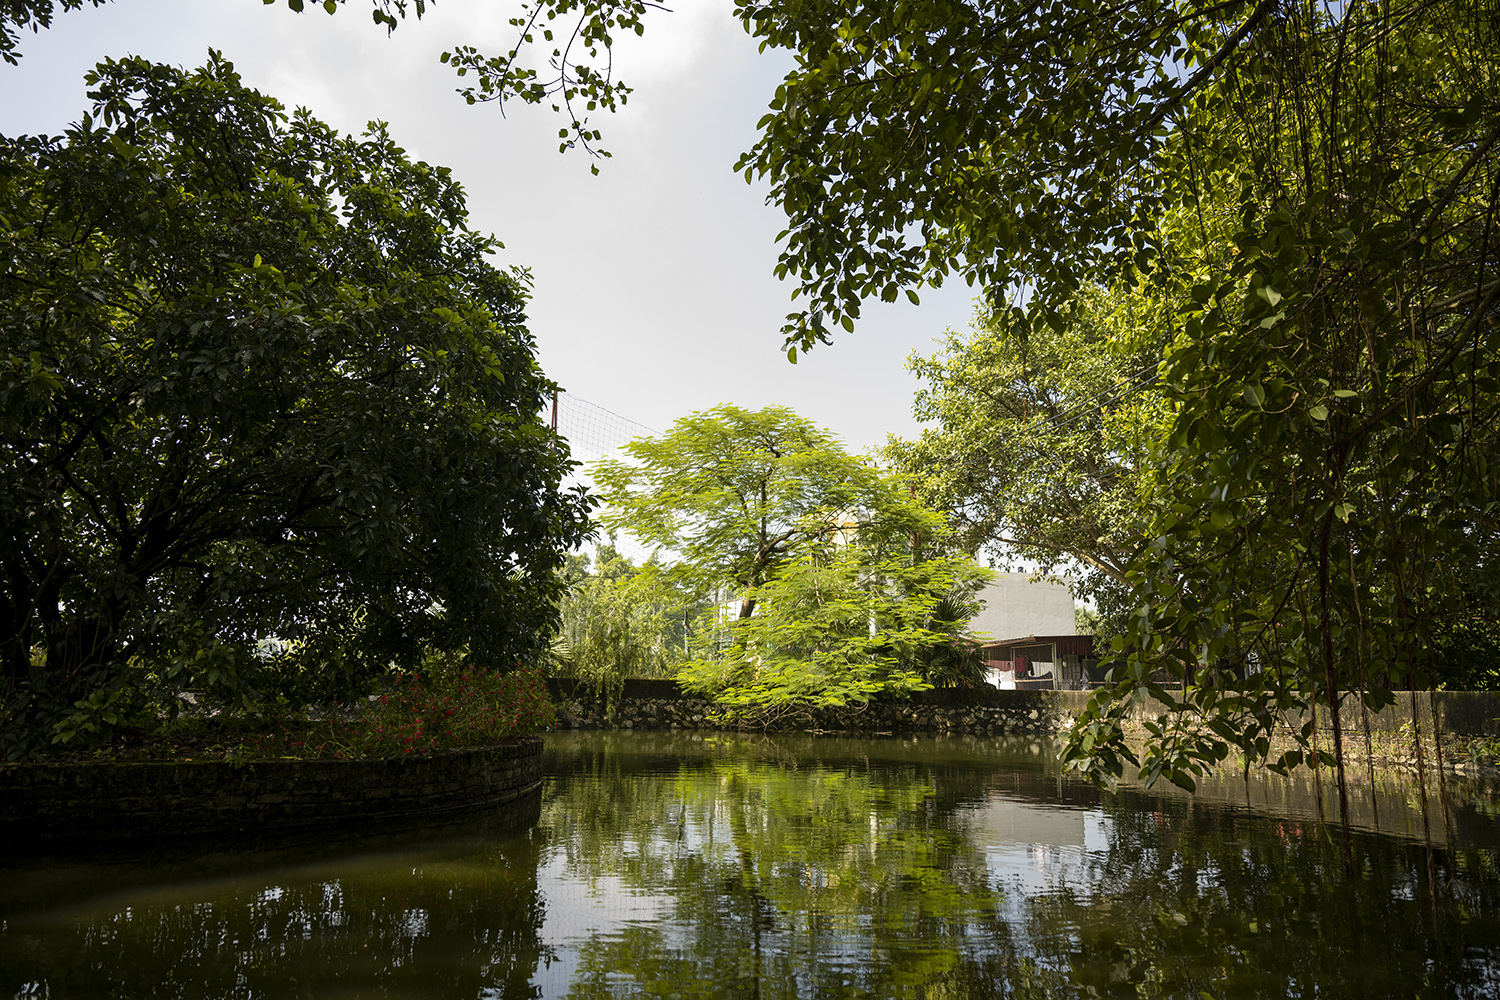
x=701, y=864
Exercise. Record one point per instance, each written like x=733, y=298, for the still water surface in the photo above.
x=684, y=865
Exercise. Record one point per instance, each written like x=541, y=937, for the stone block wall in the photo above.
x=658, y=704
x=661, y=704
x=93, y=802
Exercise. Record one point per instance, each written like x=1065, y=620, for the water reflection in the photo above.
x=379, y=915
x=785, y=868
x=691, y=864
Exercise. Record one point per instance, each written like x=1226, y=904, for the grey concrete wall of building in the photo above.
x=1014, y=607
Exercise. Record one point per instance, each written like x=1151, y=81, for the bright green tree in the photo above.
x=734, y=492
x=835, y=567
x=839, y=624
x=257, y=380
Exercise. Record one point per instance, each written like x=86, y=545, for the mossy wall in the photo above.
x=661, y=704
x=94, y=802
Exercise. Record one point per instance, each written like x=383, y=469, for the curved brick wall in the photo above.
x=52, y=803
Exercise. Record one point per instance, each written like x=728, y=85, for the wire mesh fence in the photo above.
x=594, y=432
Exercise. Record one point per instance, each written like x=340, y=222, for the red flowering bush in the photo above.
x=445, y=707
x=451, y=709
x=448, y=707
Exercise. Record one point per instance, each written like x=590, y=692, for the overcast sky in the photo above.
x=653, y=288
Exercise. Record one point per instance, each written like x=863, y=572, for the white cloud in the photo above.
x=654, y=293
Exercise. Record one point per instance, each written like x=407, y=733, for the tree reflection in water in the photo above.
x=712, y=865
x=458, y=919
x=786, y=868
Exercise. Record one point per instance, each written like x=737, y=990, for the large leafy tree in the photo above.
x=736, y=491
x=1313, y=195
x=1042, y=449
x=257, y=380
x=838, y=571
x=841, y=623
x=1325, y=501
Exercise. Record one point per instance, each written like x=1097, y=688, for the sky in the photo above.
x=653, y=291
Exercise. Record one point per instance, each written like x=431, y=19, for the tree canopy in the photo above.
x=622, y=621
x=1043, y=453
x=736, y=491
x=1309, y=196
x=258, y=382
x=840, y=574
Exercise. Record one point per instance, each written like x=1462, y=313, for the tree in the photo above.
x=838, y=624
x=1324, y=499
x=1041, y=450
x=836, y=568
x=623, y=621
x=258, y=381
x=1312, y=195
x=736, y=491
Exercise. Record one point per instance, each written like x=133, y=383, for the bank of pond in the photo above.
x=659, y=864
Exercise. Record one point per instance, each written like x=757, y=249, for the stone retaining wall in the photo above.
x=655, y=704
x=661, y=704
x=77, y=803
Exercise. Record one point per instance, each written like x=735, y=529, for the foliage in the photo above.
x=1308, y=194
x=1466, y=654
x=445, y=705
x=952, y=656
x=622, y=621
x=1041, y=449
x=841, y=623
x=819, y=547
x=257, y=380
x=1325, y=497
x=735, y=492
x=1013, y=143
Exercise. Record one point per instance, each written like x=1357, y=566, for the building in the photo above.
x=1055, y=662
x=1029, y=634
x=1012, y=604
